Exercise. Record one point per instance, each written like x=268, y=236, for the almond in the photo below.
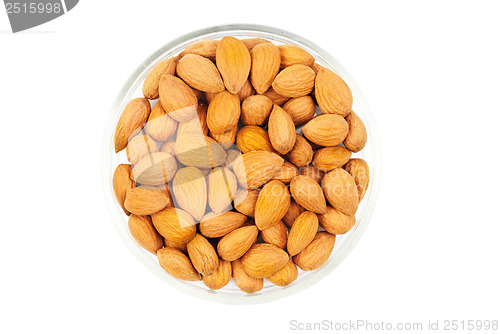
x=292, y=55
x=245, y=201
x=341, y=191
x=359, y=170
x=177, y=98
x=150, y=88
x=301, y=109
x=294, y=81
x=200, y=73
x=302, y=232
x=281, y=130
x=226, y=139
x=203, y=255
x=328, y=158
x=236, y=243
x=252, y=42
x=293, y=212
x=275, y=97
x=357, y=136
x=161, y=127
x=197, y=124
x=336, y=222
x=223, y=112
x=255, y=110
x=326, y=130
x=313, y=172
x=156, y=168
x=175, y=225
x=214, y=225
x=122, y=182
x=132, y=120
x=222, y=186
x=177, y=264
x=332, y=93
x=255, y=168
x=316, y=253
x=144, y=233
x=316, y=67
x=195, y=150
x=168, y=147
x=190, y=191
x=263, y=260
x=272, y=204
x=139, y=147
x=287, y=172
x=220, y=277
x=276, y=234
x=233, y=61
x=246, y=283
x=232, y=155
x=253, y=138
x=308, y=194
x=301, y=153
x=205, y=49
x=285, y=276
x=265, y=66
x=141, y=202
x=246, y=91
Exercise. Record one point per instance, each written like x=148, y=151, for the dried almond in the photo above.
x=150, y=88
x=253, y=138
x=190, y=191
x=302, y=232
x=281, y=130
x=341, y=191
x=132, y=120
x=326, y=130
x=122, y=182
x=205, y=49
x=313, y=172
x=328, y=158
x=357, y=136
x=285, y=276
x=245, y=201
x=141, y=202
x=139, y=147
x=243, y=281
x=316, y=253
x=232, y=155
x=252, y=42
x=223, y=112
x=293, y=212
x=222, y=186
x=301, y=153
x=236, y=243
x=154, y=169
x=195, y=150
x=255, y=110
x=197, y=124
x=272, y=204
x=203, y=255
x=336, y=222
x=292, y=55
x=142, y=230
x=178, y=99
x=177, y=264
x=286, y=173
x=233, y=61
x=308, y=194
x=215, y=225
x=332, y=93
x=255, y=168
x=220, y=277
x=175, y=225
x=246, y=91
x=200, y=73
x=276, y=234
x=275, y=97
x=294, y=81
x=265, y=66
x=168, y=147
x=263, y=260
x=301, y=109
x=359, y=170
x=161, y=127
x=226, y=139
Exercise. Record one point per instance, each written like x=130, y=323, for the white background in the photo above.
x=430, y=71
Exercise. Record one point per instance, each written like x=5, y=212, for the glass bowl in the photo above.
x=344, y=243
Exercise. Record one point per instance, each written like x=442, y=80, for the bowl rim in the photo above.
x=347, y=246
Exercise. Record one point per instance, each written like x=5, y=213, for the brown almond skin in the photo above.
x=233, y=61
x=246, y=91
x=359, y=170
x=266, y=61
x=246, y=283
x=301, y=109
x=357, y=136
x=226, y=139
x=222, y=186
x=308, y=194
x=175, y=225
x=285, y=276
x=277, y=235
x=220, y=277
x=160, y=126
x=139, y=147
x=326, y=130
x=245, y=201
x=253, y=138
x=144, y=233
x=336, y=222
x=301, y=153
x=150, y=88
x=223, y=112
x=316, y=253
x=255, y=110
x=178, y=99
x=196, y=150
x=203, y=255
x=294, y=81
x=263, y=260
x=292, y=55
x=275, y=97
x=281, y=130
x=206, y=48
x=287, y=172
x=157, y=168
x=252, y=42
x=293, y=212
x=341, y=191
x=272, y=204
x=236, y=243
x=142, y=202
x=132, y=120
x=200, y=73
x=328, y=158
x=122, y=182
x=332, y=93
x=214, y=225
x=255, y=168
x=177, y=264
x=198, y=124
x=190, y=191
x=302, y=233
x=313, y=172
x=168, y=147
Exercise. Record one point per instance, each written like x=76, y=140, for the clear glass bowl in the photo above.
x=344, y=243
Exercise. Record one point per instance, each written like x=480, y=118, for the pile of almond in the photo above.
x=232, y=173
